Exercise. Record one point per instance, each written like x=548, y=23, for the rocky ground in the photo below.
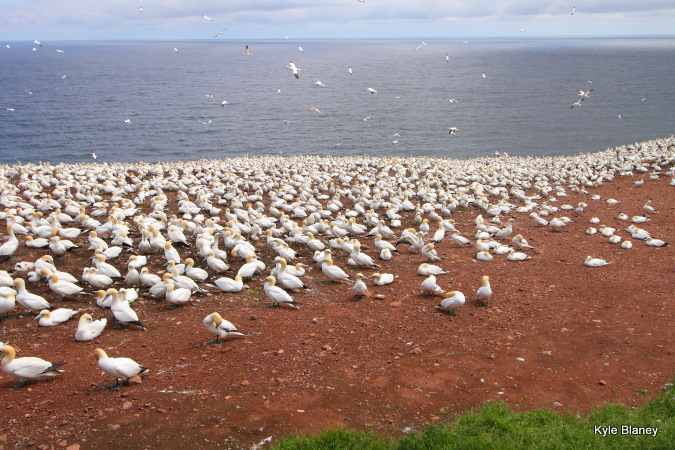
x=557, y=334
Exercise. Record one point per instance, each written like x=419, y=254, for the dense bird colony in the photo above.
x=150, y=240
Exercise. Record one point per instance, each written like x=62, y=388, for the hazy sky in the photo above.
x=265, y=19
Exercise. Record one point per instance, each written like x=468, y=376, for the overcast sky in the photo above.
x=270, y=19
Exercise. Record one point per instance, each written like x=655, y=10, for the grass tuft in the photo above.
x=494, y=425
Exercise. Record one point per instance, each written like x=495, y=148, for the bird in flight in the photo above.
x=59, y=51
x=28, y=92
x=319, y=83
x=423, y=44
x=127, y=121
x=451, y=100
x=349, y=69
x=574, y=9
x=452, y=130
x=209, y=96
x=93, y=155
x=205, y=123
x=36, y=42
x=208, y=18
x=246, y=52
x=311, y=108
x=140, y=9
x=584, y=94
x=483, y=75
x=220, y=32
x=224, y=102
x=175, y=49
x=294, y=69
x=301, y=49
x=371, y=90
x=577, y=103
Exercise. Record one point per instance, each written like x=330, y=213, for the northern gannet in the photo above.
x=294, y=69
x=48, y=318
x=28, y=367
x=89, y=329
x=222, y=328
x=595, y=262
x=382, y=279
x=429, y=286
x=27, y=299
x=276, y=294
x=360, y=288
x=426, y=269
x=484, y=292
x=121, y=369
x=452, y=300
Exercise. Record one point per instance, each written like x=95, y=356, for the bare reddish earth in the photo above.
x=558, y=334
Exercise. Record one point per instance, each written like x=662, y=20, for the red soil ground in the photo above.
x=557, y=334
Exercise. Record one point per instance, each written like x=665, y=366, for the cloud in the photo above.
x=122, y=17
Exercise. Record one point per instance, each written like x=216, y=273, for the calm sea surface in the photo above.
x=521, y=107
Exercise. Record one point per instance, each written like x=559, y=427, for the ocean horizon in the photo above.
x=510, y=95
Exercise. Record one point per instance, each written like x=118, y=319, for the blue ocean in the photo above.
x=514, y=96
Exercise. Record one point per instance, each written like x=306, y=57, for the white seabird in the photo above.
x=121, y=369
x=27, y=299
x=48, y=318
x=360, y=288
x=294, y=69
x=89, y=329
x=277, y=295
x=222, y=328
x=28, y=367
x=430, y=269
x=595, y=262
x=452, y=300
x=485, y=291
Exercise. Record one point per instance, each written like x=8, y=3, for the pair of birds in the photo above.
x=455, y=299
x=30, y=367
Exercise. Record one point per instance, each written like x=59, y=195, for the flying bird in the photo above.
x=126, y=121
x=294, y=69
x=246, y=52
x=574, y=9
x=451, y=100
x=319, y=83
x=453, y=130
x=208, y=18
x=311, y=108
x=577, y=103
x=584, y=94
x=371, y=90
x=300, y=48
x=349, y=69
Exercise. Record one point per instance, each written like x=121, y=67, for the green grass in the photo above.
x=494, y=426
